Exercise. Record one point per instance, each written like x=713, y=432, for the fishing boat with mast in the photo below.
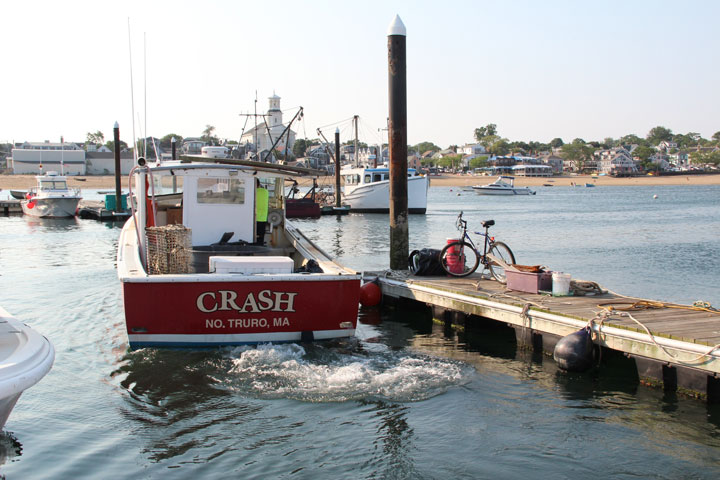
x=194, y=274
x=366, y=187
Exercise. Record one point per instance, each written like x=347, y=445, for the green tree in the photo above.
x=208, y=136
x=556, y=142
x=423, y=147
x=658, y=134
x=478, y=162
x=96, y=138
x=451, y=161
x=111, y=145
x=166, y=141
x=643, y=153
x=490, y=130
x=716, y=137
x=701, y=158
x=632, y=139
x=300, y=146
x=579, y=152
x=499, y=146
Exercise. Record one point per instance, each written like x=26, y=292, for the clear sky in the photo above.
x=537, y=69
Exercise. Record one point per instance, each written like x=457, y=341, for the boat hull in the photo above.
x=25, y=356
x=187, y=311
x=491, y=191
x=375, y=197
x=50, y=207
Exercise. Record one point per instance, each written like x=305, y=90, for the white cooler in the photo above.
x=251, y=265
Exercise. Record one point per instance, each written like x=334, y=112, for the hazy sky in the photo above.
x=537, y=69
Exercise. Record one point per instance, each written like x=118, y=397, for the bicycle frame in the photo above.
x=487, y=241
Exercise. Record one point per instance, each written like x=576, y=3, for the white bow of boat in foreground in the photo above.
x=193, y=274
x=25, y=358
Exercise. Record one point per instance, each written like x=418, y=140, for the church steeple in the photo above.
x=274, y=111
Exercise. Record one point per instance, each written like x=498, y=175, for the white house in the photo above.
x=473, y=149
x=616, y=161
x=259, y=137
x=39, y=157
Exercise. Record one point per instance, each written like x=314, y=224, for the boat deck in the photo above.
x=679, y=349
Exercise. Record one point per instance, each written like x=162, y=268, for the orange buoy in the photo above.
x=370, y=294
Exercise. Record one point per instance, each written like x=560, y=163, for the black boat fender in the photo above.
x=574, y=352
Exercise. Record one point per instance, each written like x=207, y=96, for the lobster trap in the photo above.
x=169, y=249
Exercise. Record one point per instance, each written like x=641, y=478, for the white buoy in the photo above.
x=655, y=196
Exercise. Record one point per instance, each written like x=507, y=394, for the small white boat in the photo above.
x=368, y=190
x=193, y=274
x=504, y=185
x=51, y=198
x=25, y=358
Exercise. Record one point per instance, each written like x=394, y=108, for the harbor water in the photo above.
x=408, y=398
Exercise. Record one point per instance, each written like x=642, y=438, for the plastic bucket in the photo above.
x=560, y=284
x=454, y=261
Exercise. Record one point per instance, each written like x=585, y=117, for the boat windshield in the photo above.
x=53, y=185
x=221, y=190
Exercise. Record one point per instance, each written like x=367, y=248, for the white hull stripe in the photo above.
x=233, y=339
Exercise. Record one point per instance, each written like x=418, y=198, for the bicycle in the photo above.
x=461, y=257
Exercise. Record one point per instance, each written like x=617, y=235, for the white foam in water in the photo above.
x=325, y=375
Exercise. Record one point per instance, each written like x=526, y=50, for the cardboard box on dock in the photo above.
x=528, y=282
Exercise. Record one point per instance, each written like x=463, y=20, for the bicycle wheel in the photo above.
x=459, y=259
x=501, y=251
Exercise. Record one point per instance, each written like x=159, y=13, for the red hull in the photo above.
x=302, y=208
x=162, y=313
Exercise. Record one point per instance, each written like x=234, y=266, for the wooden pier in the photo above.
x=10, y=207
x=680, y=352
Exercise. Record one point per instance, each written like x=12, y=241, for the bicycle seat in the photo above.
x=488, y=223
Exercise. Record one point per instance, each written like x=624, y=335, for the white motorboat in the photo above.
x=368, y=190
x=25, y=358
x=51, y=198
x=503, y=185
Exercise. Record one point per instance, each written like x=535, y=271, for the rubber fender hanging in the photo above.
x=574, y=352
x=370, y=294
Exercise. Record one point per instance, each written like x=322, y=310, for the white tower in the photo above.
x=274, y=111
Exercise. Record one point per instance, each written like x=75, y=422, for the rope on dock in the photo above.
x=606, y=313
x=698, y=306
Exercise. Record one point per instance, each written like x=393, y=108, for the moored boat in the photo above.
x=503, y=185
x=25, y=358
x=193, y=274
x=368, y=190
x=51, y=198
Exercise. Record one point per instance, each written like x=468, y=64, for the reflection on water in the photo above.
x=408, y=398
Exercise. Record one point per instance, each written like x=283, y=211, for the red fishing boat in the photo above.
x=193, y=272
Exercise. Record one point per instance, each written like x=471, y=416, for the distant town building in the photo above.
x=40, y=157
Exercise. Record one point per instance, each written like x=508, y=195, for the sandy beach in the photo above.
x=23, y=182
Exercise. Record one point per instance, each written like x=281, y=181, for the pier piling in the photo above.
x=397, y=133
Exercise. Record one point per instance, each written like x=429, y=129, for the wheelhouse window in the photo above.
x=53, y=185
x=221, y=190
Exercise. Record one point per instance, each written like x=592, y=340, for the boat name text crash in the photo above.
x=266, y=300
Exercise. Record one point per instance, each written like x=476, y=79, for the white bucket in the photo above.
x=561, y=284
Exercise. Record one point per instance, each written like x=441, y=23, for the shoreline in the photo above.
x=24, y=182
